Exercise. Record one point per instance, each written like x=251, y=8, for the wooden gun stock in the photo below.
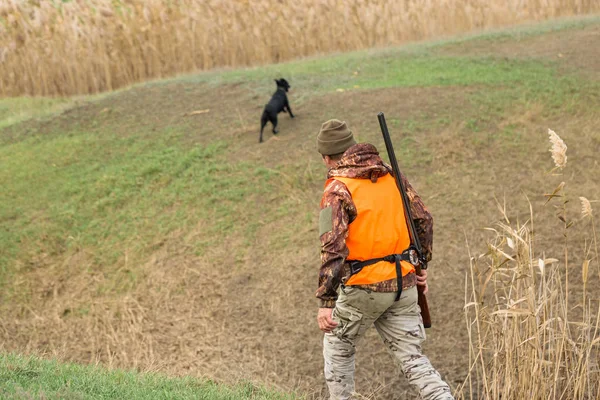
x=422, y=300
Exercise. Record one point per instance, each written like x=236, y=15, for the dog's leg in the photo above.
x=274, y=122
x=263, y=122
x=289, y=110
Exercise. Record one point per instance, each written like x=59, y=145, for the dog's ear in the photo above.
x=277, y=82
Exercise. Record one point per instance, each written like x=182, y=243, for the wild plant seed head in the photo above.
x=586, y=207
x=558, y=150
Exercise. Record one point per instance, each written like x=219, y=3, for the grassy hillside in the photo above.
x=28, y=378
x=138, y=234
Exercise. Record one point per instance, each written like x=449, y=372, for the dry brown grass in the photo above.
x=534, y=331
x=79, y=47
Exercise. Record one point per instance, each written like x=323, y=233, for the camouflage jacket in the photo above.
x=361, y=161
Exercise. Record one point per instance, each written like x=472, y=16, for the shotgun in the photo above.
x=414, y=238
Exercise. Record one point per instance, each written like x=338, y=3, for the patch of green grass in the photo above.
x=17, y=109
x=379, y=69
x=114, y=194
x=28, y=377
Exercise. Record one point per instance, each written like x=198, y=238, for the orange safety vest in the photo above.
x=380, y=228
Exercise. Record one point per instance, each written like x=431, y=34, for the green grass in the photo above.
x=115, y=193
x=15, y=110
x=32, y=378
x=379, y=69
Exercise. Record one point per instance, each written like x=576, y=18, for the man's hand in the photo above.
x=422, y=281
x=326, y=323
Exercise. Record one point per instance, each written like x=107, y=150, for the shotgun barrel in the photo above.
x=414, y=238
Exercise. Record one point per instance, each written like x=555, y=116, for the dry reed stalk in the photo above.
x=527, y=338
x=524, y=341
x=56, y=48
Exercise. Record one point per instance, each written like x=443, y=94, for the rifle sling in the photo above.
x=357, y=266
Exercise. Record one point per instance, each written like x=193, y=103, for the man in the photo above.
x=362, y=218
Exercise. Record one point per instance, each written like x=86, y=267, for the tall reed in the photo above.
x=533, y=328
x=77, y=47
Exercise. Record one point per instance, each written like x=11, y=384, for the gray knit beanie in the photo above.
x=334, y=138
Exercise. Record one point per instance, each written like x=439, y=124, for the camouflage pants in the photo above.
x=399, y=324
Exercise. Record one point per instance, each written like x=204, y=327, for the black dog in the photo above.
x=279, y=103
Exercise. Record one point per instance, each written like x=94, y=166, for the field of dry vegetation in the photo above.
x=79, y=47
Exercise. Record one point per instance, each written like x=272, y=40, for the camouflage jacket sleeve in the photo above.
x=422, y=219
x=337, y=211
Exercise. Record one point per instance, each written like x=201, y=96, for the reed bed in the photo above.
x=532, y=322
x=80, y=47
